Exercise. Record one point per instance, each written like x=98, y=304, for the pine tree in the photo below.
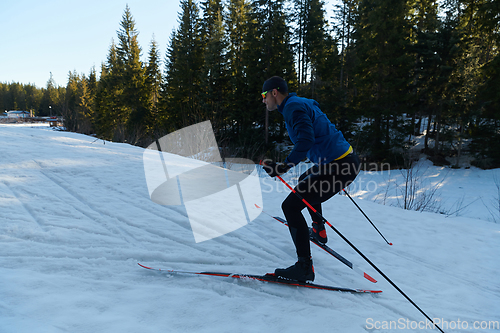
x=425, y=73
x=384, y=61
x=153, y=86
x=121, y=97
x=344, y=16
x=86, y=103
x=238, y=25
x=300, y=18
x=315, y=37
x=89, y=100
x=270, y=53
x=78, y=104
x=215, y=73
x=71, y=102
x=134, y=98
x=52, y=101
x=324, y=63
x=479, y=69
x=183, y=70
x=108, y=114
x=33, y=97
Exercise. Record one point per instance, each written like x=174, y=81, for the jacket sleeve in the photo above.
x=303, y=130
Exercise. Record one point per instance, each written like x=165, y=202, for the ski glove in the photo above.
x=274, y=169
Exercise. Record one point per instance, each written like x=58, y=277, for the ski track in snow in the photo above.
x=76, y=218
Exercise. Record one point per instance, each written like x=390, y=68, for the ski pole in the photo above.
x=359, y=252
x=354, y=202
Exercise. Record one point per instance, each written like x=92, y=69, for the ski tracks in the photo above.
x=12, y=202
x=70, y=197
x=420, y=264
x=140, y=224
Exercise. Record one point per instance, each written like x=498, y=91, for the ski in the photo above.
x=328, y=249
x=269, y=277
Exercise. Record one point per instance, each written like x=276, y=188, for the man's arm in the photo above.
x=304, y=132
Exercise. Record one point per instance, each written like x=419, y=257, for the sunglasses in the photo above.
x=265, y=92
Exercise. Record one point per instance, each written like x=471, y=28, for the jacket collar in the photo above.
x=282, y=105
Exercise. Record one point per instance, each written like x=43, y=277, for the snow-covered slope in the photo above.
x=76, y=217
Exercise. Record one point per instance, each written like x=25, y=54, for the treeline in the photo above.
x=385, y=71
x=28, y=97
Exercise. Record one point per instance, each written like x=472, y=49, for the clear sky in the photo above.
x=59, y=36
x=43, y=36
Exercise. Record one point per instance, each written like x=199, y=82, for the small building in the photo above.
x=18, y=114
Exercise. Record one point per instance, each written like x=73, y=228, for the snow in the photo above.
x=76, y=218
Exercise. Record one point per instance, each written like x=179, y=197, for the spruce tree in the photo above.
x=88, y=101
x=53, y=96
x=323, y=63
x=384, y=61
x=479, y=70
x=85, y=99
x=238, y=25
x=121, y=99
x=300, y=17
x=427, y=62
x=108, y=115
x=183, y=70
x=270, y=53
x=153, y=83
x=33, y=98
x=134, y=98
x=343, y=15
x=214, y=71
x=315, y=37
x=71, y=102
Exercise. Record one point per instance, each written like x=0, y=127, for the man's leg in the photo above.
x=292, y=208
x=323, y=182
x=303, y=269
x=315, y=187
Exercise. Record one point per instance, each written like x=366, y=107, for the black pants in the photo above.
x=316, y=185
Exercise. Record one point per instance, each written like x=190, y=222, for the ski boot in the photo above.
x=302, y=270
x=319, y=232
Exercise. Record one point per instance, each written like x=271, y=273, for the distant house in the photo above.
x=18, y=114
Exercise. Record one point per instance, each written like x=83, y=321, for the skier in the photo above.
x=335, y=167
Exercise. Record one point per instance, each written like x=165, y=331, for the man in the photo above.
x=335, y=167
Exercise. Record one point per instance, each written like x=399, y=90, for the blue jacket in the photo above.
x=312, y=133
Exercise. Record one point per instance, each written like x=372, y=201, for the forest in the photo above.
x=384, y=71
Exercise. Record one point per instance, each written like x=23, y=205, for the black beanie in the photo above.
x=275, y=82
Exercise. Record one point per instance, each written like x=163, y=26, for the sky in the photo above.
x=59, y=36
x=62, y=36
